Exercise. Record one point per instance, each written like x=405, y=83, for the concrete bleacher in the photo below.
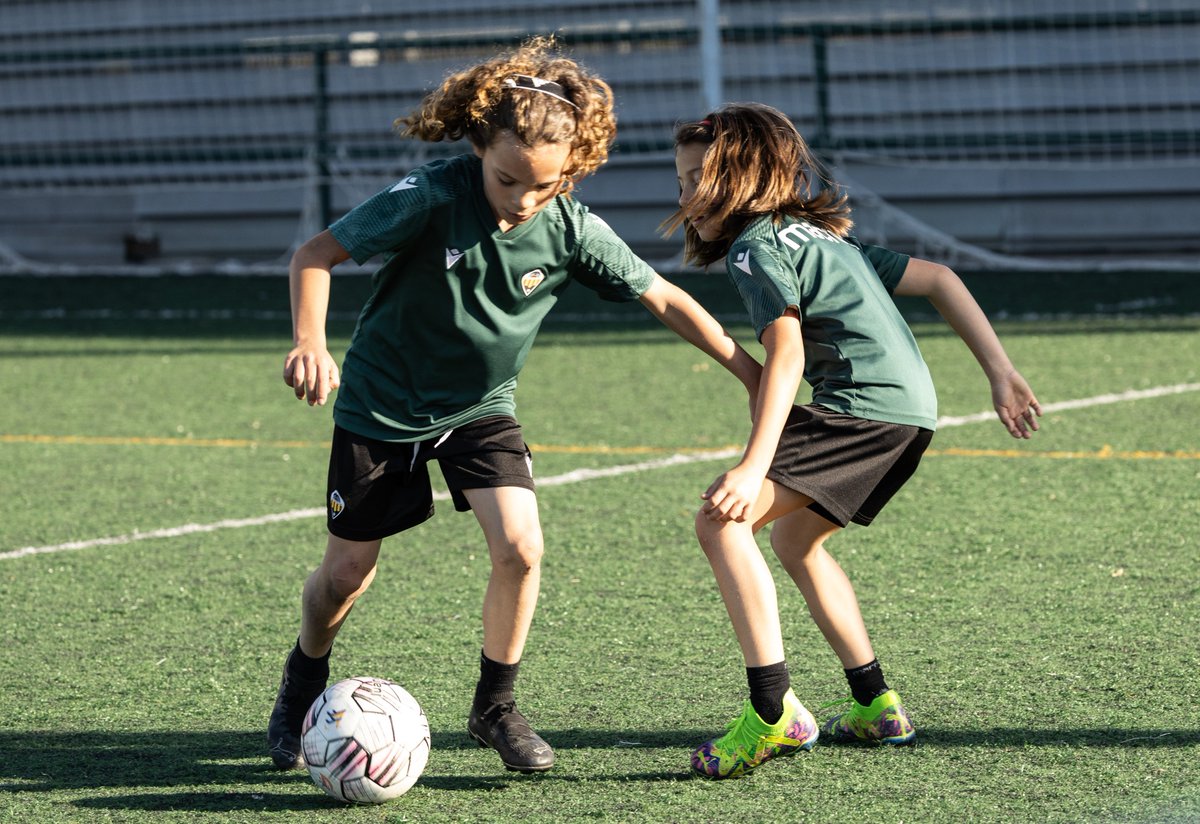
x=201, y=124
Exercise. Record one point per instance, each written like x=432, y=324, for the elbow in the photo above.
x=788, y=354
x=322, y=251
x=947, y=275
x=942, y=284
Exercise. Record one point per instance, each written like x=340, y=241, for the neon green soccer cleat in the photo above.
x=884, y=722
x=750, y=741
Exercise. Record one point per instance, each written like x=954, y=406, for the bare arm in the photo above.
x=732, y=495
x=1013, y=399
x=309, y=368
x=684, y=316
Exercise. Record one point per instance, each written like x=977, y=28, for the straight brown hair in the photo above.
x=756, y=163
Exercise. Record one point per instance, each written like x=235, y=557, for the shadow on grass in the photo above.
x=38, y=762
x=44, y=762
x=62, y=760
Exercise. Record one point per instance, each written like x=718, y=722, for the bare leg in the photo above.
x=509, y=517
x=799, y=540
x=329, y=594
x=331, y=590
x=743, y=577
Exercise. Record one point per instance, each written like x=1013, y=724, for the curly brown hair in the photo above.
x=477, y=104
x=757, y=163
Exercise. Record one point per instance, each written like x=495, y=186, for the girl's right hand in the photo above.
x=732, y=495
x=312, y=373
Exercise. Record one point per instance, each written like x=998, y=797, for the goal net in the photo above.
x=148, y=137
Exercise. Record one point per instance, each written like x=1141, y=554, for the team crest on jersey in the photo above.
x=336, y=504
x=409, y=182
x=530, y=281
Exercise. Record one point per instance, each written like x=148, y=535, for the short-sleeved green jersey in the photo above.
x=859, y=354
x=457, y=303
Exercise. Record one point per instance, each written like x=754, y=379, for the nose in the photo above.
x=527, y=201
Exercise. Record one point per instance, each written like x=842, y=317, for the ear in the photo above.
x=479, y=150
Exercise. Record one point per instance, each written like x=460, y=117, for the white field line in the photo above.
x=575, y=476
x=1081, y=403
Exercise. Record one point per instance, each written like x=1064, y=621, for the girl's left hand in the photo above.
x=1016, y=405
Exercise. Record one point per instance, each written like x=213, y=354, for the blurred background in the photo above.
x=139, y=136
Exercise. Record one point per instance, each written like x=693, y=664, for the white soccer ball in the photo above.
x=366, y=740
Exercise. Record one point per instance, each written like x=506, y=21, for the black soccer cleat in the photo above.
x=505, y=730
x=295, y=696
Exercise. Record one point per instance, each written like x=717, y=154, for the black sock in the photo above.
x=768, y=685
x=310, y=669
x=496, y=682
x=866, y=682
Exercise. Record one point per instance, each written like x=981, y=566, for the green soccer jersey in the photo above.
x=457, y=303
x=859, y=354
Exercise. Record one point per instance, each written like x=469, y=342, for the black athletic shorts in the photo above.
x=379, y=488
x=849, y=466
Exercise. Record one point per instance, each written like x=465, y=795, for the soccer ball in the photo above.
x=366, y=740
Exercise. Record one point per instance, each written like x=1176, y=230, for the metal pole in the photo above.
x=822, y=138
x=710, y=53
x=321, y=127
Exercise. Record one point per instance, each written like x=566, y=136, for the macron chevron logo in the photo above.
x=742, y=261
x=452, y=257
x=409, y=182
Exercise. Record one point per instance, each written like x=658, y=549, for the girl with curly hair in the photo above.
x=476, y=249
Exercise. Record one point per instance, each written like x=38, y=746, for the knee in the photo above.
x=343, y=579
x=519, y=554
x=790, y=550
x=706, y=532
